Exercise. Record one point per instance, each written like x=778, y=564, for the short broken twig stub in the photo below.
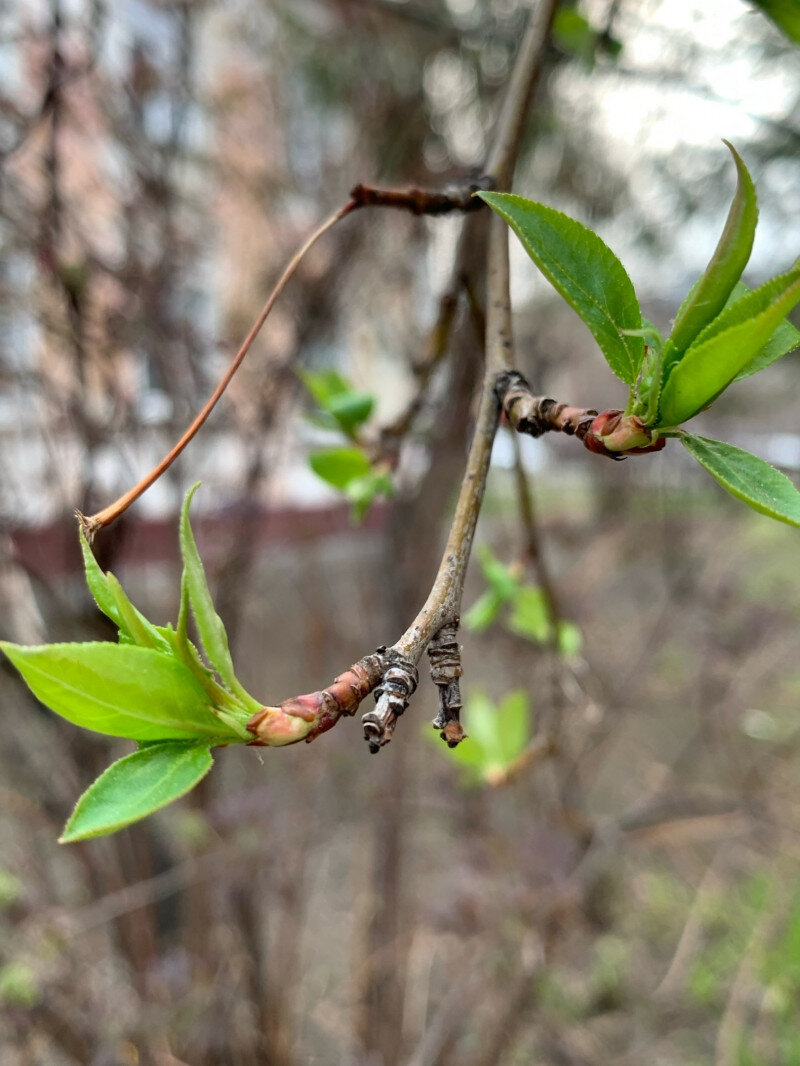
x=444, y=652
x=391, y=698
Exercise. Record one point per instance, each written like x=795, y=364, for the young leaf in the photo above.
x=499, y=577
x=529, y=617
x=785, y=14
x=335, y=395
x=481, y=725
x=209, y=624
x=351, y=409
x=324, y=385
x=468, y=755
x=573, y=33
x=708, y=297
x=570, y=639
x=586, y=273
x=748, y=478
x=111, y=599
x=132, y=623
x=136, y=786
x=363, y=491
x=98, y=583
x=512, y=725
x=339, y=466
x=483, y=612
x=118, y=689
x=725, y=348
x=784, y=340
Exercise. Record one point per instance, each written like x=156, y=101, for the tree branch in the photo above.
x=443, y=605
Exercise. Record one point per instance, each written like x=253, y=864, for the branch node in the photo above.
x=444, y=652
x=88, y=525
x=391, y=699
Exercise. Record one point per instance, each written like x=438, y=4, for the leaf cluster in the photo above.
x=521, y=608
x=153, y=686
x=723, y=332
x=497, y=735
x=347, y=468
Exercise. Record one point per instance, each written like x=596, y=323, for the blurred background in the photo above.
x=160, y=163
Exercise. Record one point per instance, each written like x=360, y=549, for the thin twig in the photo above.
x=97, y=521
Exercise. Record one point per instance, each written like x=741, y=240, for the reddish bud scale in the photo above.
x=305, y=717
x=616, y=435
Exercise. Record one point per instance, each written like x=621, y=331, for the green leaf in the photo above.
x=337, y=397
x=209, y=624
x=496, y=734
x=483, y=612
x=363, y=491
x=529, y=616
x=784, y=340
x=352, y=409
x=725, y=348
x=132, y=623
x=748, y=478
x=649, y=333
x=586, y=273
x=18, y=985
x=469, y=755
x=570, y=639
x=573, y=33
x=324, y=385
x=98, y=583
x=339, y=466
x=118, y=689
x=499, y=577
x=710, y=294
x=113, y=602
x=136, y=786
x=481, y=725
x=513, y=725
x=785, y=14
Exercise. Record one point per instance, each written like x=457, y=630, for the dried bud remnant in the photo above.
x=444, y=652
x=391, y=699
